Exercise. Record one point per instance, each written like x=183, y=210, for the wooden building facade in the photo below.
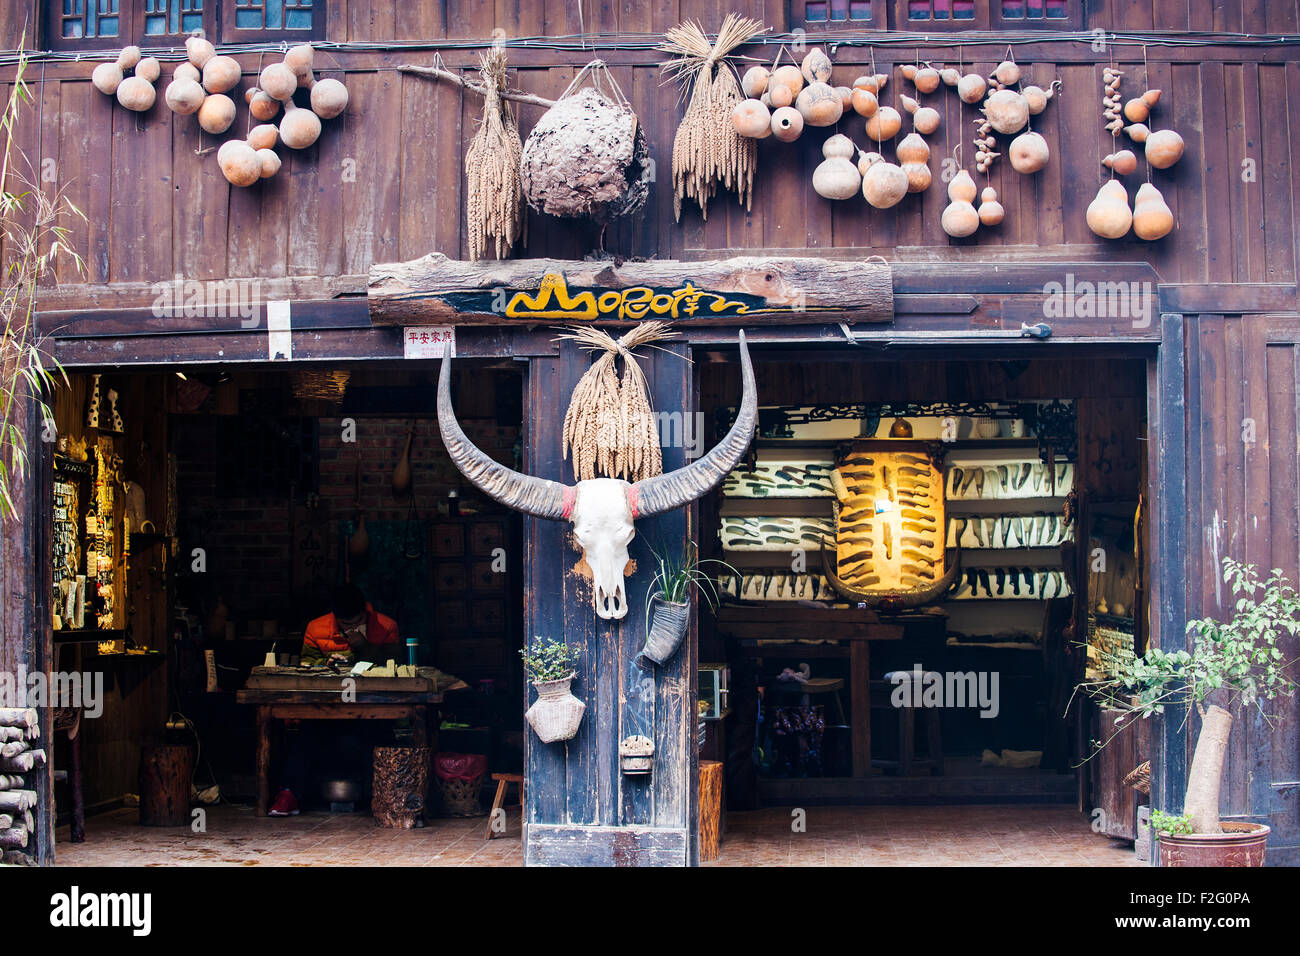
x=384, y=184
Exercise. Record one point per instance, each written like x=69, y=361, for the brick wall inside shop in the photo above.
x=249, y=540
x=378, y=448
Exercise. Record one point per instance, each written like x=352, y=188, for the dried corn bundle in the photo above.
x=493, y=198
x=707, y=150
x=609, y=428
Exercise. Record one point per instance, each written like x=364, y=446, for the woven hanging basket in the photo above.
x=1139, y=778
x=556, y=714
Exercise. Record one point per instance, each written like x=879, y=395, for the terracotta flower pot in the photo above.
x=667, y=628
x=1240, y=844
x=556, y=714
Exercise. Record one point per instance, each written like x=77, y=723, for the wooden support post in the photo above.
x=860, y=702
x=711, y=775
x=263, y=759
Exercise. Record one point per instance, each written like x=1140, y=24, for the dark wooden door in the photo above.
x=580, y=809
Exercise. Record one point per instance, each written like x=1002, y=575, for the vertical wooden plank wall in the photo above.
x=580, y=807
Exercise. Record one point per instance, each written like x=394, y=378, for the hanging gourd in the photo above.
x=754, y=82
x=708, y=150
x=751, y=118
x=1152, y=217
x=184, y=95
x=221, y=74
x=925, y=119
x=1138, y=109
x=990, y=212
x=1006, y=74
x=1164, y=147
x=913, y=157
x=865, y=96
x=816, y=67
x=960, y=218
x=1124, y=162
x=1038, y=98
x=819, y=105
x=884, y=124
x=883, y=184
x=216, y=113
x=1006, y=110
x=787, y=124
x=135, y=92
x=1028, y=153
x=836, y=177
x=587, y=156
x=1108, y=214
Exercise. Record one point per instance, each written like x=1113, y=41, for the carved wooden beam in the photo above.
x=748, y=290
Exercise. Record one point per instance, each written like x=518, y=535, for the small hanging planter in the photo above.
x=556, y=714
x=668, y=627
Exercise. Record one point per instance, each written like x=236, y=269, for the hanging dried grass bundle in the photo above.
x=494, y=198
x=610, y=426
x=707, y=149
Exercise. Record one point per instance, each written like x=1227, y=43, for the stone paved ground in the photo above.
x=1003, y=835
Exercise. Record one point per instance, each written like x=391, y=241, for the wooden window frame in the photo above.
x=988, y=16
x=880, y=10
x=233, y=34
x=218, y=26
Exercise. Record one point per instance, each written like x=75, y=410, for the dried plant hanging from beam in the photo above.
x=610, y=426
x=494, y=206
x=707, y=150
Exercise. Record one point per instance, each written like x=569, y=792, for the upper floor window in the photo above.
x=931, y=14
x=105, y=24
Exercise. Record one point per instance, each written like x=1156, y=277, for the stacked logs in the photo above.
x=18, y=728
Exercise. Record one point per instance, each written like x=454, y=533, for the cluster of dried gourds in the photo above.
x=1109, y=215
x=200, y=86
x=135, y=92
x=783, y=100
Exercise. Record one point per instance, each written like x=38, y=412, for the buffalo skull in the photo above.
x=602, y=509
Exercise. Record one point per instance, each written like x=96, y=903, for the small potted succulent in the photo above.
x=668, y=606
x=556, y=714
x=1233, y=664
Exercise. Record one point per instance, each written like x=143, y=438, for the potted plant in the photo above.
x=668, y=606
x=556, y=714
x=1233, y=664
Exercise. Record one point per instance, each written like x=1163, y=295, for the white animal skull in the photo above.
x=602, y=509
x=602, y=523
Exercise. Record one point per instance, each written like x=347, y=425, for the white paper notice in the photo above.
x=279, y=331
x=429, y=342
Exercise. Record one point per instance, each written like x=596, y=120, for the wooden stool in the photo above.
x=504, y=780
x=711, y=774
x=907, y=759
x=825, y=685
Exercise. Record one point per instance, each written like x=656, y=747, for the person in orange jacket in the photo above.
x=353, y=630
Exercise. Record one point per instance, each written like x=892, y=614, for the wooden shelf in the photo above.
x=86, y=636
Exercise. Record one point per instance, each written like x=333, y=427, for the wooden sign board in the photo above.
x=747, y=291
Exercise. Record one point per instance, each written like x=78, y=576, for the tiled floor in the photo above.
x=1021, y=835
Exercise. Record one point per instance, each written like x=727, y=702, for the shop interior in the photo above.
x=877, y=466
x=202, y=518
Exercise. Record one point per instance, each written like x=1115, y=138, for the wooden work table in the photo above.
x=781, y=626
x=323, y=698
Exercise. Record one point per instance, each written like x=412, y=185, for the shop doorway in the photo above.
x=203, y=517
x=814, y=695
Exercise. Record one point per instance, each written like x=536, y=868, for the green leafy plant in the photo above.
x=675, y=578
x=1170, y=823
x=35, y=241
x=549, y=660
x=1233, y=664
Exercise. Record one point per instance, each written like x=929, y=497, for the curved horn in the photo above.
x=891, y=600
x=683, y=485
x=533, y=496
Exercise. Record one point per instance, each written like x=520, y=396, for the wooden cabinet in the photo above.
x=476, y=594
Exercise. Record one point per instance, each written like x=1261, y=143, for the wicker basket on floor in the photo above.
x=1139, y=778
x=461, y=798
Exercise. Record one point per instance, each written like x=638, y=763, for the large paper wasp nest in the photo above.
x=587, y=155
